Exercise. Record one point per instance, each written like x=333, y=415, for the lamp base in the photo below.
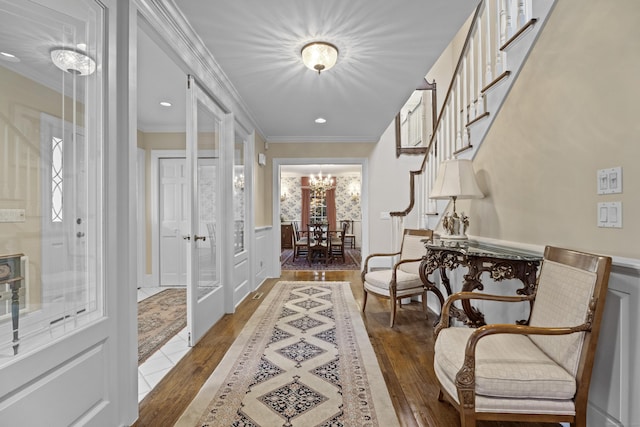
x=454, y=237
x=455, y=226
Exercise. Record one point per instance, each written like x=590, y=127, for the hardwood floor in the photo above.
x=405, y=354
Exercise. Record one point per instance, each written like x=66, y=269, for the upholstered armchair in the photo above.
x=403, y=279
x=536, y=372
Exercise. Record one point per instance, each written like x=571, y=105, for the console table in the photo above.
x=500, y=263
x=10, y=274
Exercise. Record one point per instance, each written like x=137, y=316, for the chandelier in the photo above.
x=320, y=184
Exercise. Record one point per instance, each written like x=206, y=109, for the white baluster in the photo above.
x=479, y=106
x=472, y=77
x=522, y=13
x=502, y=36
x=488, y=51
x=460, y=108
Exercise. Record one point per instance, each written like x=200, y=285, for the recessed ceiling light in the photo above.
x=165, y=104
x=321, y=120
x=9, y=57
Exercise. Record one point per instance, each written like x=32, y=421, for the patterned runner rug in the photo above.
x=160, y=317
x=303, y=359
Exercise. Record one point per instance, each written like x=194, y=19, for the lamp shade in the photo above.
x=456, y=178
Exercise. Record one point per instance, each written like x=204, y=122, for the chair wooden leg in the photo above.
x=392, y=301
x=424, y=304
x=364, y=302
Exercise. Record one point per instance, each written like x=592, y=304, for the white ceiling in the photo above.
x=386, y=47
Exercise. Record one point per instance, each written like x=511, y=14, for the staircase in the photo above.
x=500, y=38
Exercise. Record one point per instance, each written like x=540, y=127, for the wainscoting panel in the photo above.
x=609, y=393
x=76, y=387
x=262, y=255
x=615, y=384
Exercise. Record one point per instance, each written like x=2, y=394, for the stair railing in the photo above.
x=481, y=66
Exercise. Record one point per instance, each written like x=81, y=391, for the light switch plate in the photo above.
x=610, y=180
x=385, y=215
x=12, y=215
x=610, y=214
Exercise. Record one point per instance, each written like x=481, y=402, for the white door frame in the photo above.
x=156, y=155
x=364, y=199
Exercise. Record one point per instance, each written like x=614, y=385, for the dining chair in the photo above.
x=300, y=243
x=402, y=280
x=337, y=242
x=349, y=238
x=538, y=372
x=317, y=243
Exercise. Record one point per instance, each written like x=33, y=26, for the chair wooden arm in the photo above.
x=466, y=377
x=365, y=270
x=444, y=315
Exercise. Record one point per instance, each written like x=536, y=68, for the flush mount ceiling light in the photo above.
x=321, y=120
x=165, y=103
x=319, y=56
x=73, y=62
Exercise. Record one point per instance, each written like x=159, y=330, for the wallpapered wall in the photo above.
x=346, y=206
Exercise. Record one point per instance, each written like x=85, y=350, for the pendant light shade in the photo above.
x=319, y=56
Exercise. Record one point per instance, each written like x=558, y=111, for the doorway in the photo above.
x=350, y=177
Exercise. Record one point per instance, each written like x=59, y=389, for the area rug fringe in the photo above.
x=303, y=359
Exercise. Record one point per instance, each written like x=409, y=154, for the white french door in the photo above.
x=206, y=130
x=67, y=347
x=173, y=220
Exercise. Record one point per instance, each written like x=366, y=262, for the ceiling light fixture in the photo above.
x=319, y=56
x=321, y=120
x=73, y=62
x=165, y=103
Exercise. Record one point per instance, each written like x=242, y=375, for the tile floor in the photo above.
x=157, y=366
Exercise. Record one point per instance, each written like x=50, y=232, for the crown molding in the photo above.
x=169, y=22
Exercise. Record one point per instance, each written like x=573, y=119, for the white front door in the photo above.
x=207, y=130
x=67, y=347
x=173, y=221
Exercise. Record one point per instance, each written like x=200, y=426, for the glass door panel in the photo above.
x=50, y=173
x=205, y=294
x=239, y=198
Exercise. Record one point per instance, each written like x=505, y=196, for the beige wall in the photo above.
x=262, y=215
x=572, y=111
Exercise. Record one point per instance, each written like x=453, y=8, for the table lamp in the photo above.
x=455, y=180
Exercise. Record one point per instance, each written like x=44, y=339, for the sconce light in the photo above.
x=283, y=193
x=354, y=191
x=238, y=182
